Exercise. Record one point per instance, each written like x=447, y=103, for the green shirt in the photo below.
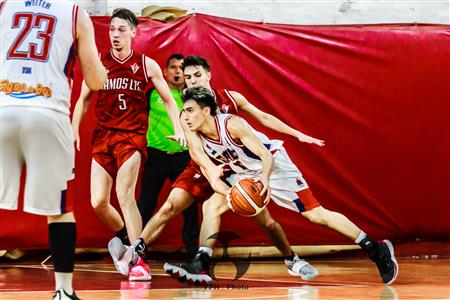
x=159, y=124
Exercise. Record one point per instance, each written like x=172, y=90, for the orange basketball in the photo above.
x=245, y=199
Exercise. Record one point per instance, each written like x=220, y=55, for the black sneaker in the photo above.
x=386, y=262
x=195, y=272
x=61, y=294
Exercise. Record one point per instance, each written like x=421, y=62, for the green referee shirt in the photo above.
x=159, y=124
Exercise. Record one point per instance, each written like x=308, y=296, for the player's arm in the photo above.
x=156, y=76
x=93, y=70
x=239, y=130
x=270, y=121
x=79, y=112
x=212, y=172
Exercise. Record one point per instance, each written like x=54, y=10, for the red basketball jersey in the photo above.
x=122, y=103
x=225, y=102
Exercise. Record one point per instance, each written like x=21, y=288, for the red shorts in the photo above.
x=193, y=182
x=111, y=148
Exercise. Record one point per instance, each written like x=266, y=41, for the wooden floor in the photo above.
x=340, y=278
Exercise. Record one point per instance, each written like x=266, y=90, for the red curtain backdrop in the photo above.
x=378, y=95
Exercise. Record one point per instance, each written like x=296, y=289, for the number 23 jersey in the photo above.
x=122, y=103
x=37, y=42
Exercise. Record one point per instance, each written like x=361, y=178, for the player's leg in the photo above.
x=154, y=175
x=212, y=210
x=296, y=266
x=131, y=262
x=101, y=184
x=48, y=169
x=11, y=157
x=197, y=270
x=382, y=253
x=191, y=227
x=126, y=180
x=177, y=201
x=275, y=232
x=62, y=237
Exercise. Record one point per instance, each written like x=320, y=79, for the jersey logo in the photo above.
x=134, y=68
x=224, y=108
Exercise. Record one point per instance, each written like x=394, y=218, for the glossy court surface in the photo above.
x=341, y=277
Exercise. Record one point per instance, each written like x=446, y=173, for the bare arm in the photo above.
x=212, y=172
x=93, y=71
x=239, y=130
x=270, y=121
x=155, y=74
x=80, y=110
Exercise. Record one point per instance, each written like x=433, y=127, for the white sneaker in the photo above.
x=128, y=260
x=300, y=267
x=116, y=248
x=61, y=294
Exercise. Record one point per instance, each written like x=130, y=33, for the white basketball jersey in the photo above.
x=37, y=40
x=240, y=159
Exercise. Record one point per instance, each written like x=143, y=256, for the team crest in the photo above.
x=134, y=67
x=224, y=108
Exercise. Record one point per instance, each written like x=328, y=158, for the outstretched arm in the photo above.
x=155, y=74
x=272, y=122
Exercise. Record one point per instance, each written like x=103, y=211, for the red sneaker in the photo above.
x=140, y=271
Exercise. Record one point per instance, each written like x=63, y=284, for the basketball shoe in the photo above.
x=61, y=294
x=195, y=272
x=385, y=260
x=300, y=267
x=140, y=271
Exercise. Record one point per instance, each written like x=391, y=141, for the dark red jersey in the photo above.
x=122, y=103
x=225, y=102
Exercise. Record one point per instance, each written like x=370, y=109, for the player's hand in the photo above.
x=264, y=180
x=76, y=138
x=180, y=138
x=309, y=139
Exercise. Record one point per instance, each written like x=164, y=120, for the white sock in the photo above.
x=64, y=281
x=207, y=250
x=362, y=235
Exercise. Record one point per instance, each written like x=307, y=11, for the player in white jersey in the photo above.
x=230, y=140
x=40, y=40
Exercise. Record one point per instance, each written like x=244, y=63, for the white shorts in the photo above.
x=42, y=140
x=287, y=184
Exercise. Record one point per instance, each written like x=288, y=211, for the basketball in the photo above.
x=245, y=199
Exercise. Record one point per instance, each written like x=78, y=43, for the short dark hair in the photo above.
x=177, y=56
x=125, y=14
x=202, y=96
x=194, y=60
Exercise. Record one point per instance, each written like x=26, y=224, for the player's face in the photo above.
x=174, y=73
x=194, y=115
x=196, y=76
x=121, y=33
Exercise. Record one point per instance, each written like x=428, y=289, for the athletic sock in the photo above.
x=207, y=250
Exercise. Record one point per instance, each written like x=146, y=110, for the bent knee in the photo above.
x=318, y=215
x=99, y=202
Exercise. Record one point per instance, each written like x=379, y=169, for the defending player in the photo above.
x=119, y=139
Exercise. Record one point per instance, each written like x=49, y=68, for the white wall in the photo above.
x=298, y=11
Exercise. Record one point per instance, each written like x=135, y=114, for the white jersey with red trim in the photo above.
x=241, y=160
x=37, y=53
